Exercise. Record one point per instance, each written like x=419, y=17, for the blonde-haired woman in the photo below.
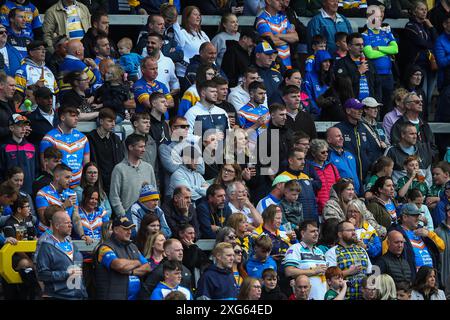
x=386, y=287
x=154, y=249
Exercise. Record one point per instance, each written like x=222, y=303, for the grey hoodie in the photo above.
x=52, y=267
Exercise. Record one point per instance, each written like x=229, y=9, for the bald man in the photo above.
x=344, y=160
x=58, y=261
x=207, y=55
x=393, y=262
x=302, y=288
x=75, y=61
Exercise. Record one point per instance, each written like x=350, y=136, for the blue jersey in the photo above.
x=421, y=253
x=363, y=84
x=48, y=195
x=267, y=201
x=106, y=256
x=71, y=63
x=31, y=13
x=20, y=41
x=92, y=222
x=162, y=289
x=73, y=146
x=277, y=24
x=142, y=90
x=249, y=114
x=383, y=38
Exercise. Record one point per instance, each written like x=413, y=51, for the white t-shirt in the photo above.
x=246, y=211
x=166, y=73
x=301, y=257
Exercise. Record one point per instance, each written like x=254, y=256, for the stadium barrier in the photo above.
x=8, y=250
x=125, y=128
x=140, y=20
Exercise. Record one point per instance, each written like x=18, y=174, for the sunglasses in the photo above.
x=238, y=252
x=182, y=126
x=2, y=32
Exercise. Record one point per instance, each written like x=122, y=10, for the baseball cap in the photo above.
x=410, y=209
x=264, y=47
x=18, y=119
x=43, y=92
x=123, y=222
x=35, y=44
x=280, y=179
x=353, y=103
x=370, y=102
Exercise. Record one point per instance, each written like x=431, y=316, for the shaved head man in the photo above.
x=76, y=49
x=302, y=287
x=394, y=261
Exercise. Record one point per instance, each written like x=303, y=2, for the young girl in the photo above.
x=425, y=219
x=413, y=178
x=382, y=167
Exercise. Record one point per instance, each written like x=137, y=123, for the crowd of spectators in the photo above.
x=224, y=148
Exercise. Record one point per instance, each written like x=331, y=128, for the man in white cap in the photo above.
x=377, y=135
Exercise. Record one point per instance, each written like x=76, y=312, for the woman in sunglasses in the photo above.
x=326, y=171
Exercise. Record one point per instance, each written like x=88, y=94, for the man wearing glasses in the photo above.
x=355, y=66
x=350, y=258
x=414, y=107
x=34, y=71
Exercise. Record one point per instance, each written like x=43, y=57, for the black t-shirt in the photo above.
x=20, y=230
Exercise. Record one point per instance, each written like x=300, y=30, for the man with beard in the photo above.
x=350, y=258
x=205, y=115
x=43, y=119
x=254, y=116
x=212, y=212
x=128, y=176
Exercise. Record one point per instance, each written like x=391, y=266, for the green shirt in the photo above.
x=422, y=186
x=435, y=190
x=371, y=182
x=330, y=294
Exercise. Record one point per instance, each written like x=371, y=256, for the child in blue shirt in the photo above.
x=129, y=61
x=172, y=279
x=261, y=259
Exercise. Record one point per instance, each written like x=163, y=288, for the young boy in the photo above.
x=172, y=279
x=261, y=260
x=441, y=174
x=271, y=289
x=336, y=284
x=292, y=209
x=20, y=227
x=158, y=113
x=340, y=38
x=129, y=61
x=17, y=151
x=318, y=42
x=403, y=290
x=413, y=178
